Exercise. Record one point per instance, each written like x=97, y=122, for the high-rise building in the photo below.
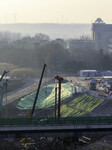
x=102, y=35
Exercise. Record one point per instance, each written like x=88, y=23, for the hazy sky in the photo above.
x=55, y=11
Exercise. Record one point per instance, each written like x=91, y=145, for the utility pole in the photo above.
x=59, y=95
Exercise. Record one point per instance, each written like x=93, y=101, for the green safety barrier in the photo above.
x=52, y=121
x=78, y=106
x=46, y=96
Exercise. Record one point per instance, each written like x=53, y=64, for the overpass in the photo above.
x=65, y=127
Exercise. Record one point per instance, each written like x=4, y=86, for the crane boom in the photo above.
x=36, y=96
x=2, y=90
x=3, y=75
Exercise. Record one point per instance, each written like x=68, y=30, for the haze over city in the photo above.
x=54, y=11
x=55, y=74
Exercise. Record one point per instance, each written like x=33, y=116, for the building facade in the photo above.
x=102, y=35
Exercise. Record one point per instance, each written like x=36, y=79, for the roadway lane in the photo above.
x=28, y=88
x=21, y=92
x=78, y=80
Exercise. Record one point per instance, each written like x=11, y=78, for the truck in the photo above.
x=92, y=84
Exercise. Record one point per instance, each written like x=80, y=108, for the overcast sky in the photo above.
x=55, y=11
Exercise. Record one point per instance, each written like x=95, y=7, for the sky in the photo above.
x=55, y=11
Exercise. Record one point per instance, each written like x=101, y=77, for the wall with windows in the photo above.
x=102, y=35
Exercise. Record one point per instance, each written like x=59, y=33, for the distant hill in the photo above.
x=52, y=30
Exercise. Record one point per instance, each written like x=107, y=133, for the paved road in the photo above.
x=78, y=80
x=29, y=88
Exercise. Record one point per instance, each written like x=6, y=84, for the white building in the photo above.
x=102, y=35
x=87, y=73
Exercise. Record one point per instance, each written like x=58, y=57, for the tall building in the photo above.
x=102, y=35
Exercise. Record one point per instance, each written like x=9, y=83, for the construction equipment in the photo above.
x=28, y=144
x=59, y=97
x=37, y=93
x=5, y=72
x=93, y=85
x=2, y=87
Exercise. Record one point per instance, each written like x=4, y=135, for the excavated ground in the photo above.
x=101, y=143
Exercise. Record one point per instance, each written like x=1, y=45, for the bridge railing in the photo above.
x=52, y=121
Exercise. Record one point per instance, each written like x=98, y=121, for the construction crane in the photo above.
x=5, y=72
x=37, y=93
x=2, y=89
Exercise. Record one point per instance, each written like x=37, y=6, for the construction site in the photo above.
x=57, y=97
x=63, y=99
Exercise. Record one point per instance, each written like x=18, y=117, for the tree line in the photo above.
x=33, y=52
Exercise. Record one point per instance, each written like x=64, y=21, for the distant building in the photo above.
x=87, y=73
x=80, y=43
x=102, y=35
x=101, y=38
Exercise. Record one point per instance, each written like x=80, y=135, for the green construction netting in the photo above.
x=46, y=97
x=80, y=105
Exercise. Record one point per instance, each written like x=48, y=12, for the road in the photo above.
x=78, y=80
x=28, y=88
x=21, y=92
